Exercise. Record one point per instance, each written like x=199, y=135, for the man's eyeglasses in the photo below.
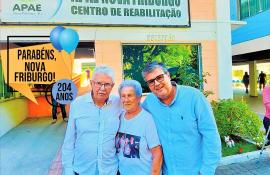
x=100, y=84
x=158, y=78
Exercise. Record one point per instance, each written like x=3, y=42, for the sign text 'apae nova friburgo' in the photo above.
x=98, y=12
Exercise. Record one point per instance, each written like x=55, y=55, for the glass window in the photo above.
x=250, y=8
x=244, y=9
x=265, y=4
x=254, y=6
x=182, y=61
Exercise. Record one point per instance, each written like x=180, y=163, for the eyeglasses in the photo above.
x=158, y=78
x=100, y=84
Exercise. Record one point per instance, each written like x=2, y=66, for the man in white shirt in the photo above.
x=89, y=145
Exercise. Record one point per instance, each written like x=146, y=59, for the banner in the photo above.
x=39, y=64
x=98, y=12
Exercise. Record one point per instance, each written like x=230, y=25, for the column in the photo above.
x=253, y=79
x=109, y=53
x=224, y=49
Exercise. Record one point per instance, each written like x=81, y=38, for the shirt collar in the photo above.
x=176, y=94
x=89, y=99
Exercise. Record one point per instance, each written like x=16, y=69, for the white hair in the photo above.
x=103, y=69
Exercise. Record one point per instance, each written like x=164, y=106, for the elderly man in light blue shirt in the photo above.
x=185, y=124
x=89, y=145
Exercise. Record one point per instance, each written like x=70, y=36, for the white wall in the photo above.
x=224, y=50
x=200, y=30
x=12, y=113
x=255, y=45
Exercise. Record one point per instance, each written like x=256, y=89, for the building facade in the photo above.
x=251, y=42
x=209, y=27
x=204, y=24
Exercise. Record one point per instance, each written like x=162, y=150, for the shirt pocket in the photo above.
x=87, y=124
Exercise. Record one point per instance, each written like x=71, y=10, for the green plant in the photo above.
x=236, y=118
x=182, y=61
x=239, y=148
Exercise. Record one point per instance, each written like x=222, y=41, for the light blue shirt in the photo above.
x=187, y=132
x=135, y=139
x=89, y=145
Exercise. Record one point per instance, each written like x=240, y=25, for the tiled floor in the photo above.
x=30, y=147
x=255, y=103
x=252, y=167
x=56, y=165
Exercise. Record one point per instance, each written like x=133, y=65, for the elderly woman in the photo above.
x=140, y=153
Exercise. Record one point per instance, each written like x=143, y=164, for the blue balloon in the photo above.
x=69, y=40
x=54, y=37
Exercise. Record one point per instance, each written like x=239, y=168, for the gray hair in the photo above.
x=150, y=66
x=131, y=83
x=103, y=69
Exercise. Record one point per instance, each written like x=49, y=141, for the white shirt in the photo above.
x=89, y=145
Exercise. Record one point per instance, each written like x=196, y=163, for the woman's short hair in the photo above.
x=131, y=83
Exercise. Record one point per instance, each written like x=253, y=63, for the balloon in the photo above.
x=69, y=40
x=54, y=37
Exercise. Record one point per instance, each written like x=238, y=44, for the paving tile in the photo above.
x=30, y=148
x=251, y=167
